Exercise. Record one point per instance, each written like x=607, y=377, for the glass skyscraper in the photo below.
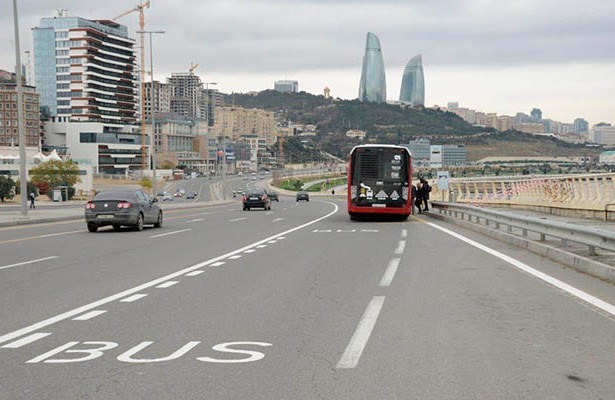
x=413, y=83
x=373, y=85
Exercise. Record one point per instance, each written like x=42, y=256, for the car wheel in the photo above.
x=307, y=199
x=117, y=227
x=139, y=225
x=158, y=223
x=248, y=208
x=92, y=227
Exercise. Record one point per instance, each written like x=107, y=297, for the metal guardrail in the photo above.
x=591, y=237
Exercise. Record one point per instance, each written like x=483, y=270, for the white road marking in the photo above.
x=249, y=251
x=90, y=315
x=277, y=220
x=169, y=233
x=122, y=295
x=28, y=262
x=238, y=219
x=369, y=230
x=346, y=230
x=128, y=299
x=235, y=257
x=167, y=284
x=355, y=348
x=281, y=238
x=400, y=247
x=25, y=341
x=404, y=233
x=195, y=273
x=261, y=246
x=272, y=241
x=217, y=264
x=389, y=274
x=269, y=213
x=579, y=294
x=322, y=231
x=196, y=220
x=59, y=234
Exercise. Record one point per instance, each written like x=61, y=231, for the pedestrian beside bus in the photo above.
x=425, y=189
x=418, y=199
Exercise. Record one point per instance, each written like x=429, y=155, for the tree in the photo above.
x=56, y=173
x=6, y=187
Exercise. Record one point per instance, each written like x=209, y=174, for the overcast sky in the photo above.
x=490, y=55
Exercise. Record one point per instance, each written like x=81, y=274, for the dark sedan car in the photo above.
x=122, y=208
x=273, y=196
x=257, y=198
x=303, y=196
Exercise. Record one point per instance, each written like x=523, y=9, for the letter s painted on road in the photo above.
x=224, y=348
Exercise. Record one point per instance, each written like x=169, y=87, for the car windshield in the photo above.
x=115, y=195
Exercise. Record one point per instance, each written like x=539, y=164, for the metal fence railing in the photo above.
x=591, y=237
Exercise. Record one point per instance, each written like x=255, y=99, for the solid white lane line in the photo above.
x=25, y=341
x=400, y=247
x=217, y=264
x=28, y=262
x=196, y=220
x=277, y=220
x=357, y=344
x=89, y=315
x=128, y=299
x=235, y=257
x=195, y=273
x=389, y=274
x=579, y=294
x=249, y=251
x=169, y=233
x=80, y=310
x=404, y=233
x=167, y=284
x=238, y=219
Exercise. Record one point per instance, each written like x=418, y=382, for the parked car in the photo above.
x=122, y=208
x=303, y=196
x=256, y=198
x=273, y=196
x=191, y=195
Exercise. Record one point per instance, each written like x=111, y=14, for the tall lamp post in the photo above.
x=23, y=179
x=152, y=144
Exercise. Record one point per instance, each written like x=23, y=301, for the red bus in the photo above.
x=379, y=181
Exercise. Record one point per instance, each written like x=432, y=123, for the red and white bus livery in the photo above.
x=379, y=180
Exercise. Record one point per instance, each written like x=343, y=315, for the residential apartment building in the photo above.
x=187, y=95
x=604, y=134
x=159, y=98
x=180, y=141
x=234, y=122
x=85, y=70
x=9, y=134
x=531, y=127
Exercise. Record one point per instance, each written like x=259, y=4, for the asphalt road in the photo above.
x=296, y=303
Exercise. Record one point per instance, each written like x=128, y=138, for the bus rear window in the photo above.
x=380, y=165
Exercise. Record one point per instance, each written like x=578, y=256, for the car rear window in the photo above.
x=115, y=196
x=256, y=193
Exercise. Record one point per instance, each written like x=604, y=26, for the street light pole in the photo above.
x=23, y=178
x=152, y=111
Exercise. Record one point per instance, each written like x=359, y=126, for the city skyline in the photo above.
x=515, y=63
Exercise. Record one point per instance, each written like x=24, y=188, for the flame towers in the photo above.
x=413, y=83
x=372, y=87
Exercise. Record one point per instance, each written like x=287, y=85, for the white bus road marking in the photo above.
x=579, y=294
x=122, y=295
x=389, y=274
x=169, y=233
x=132, y=298
x=167, y=284
x=90, y=315
x=357, y=344
x=28, y=262
x=195, y=273
x=25, y=341
x=238, y=219
x=404, y=233
x=217, y=264
x=400, y=247
x=196, y=220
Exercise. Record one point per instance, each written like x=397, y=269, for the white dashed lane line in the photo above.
x=28, y=262
x=195, y=273
x=390, y=272
x=196, y=220
x=167, y=284
x=277, y=220
x=400, y=247
x=238, y=219
x=234, y=257
x=169, y=233
x=133, y=298
x=219, y=263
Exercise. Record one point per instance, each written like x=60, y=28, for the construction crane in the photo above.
x=140, y=9
x=193, y=67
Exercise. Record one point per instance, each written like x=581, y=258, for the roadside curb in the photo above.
x=18, y=222
x=578, y=263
